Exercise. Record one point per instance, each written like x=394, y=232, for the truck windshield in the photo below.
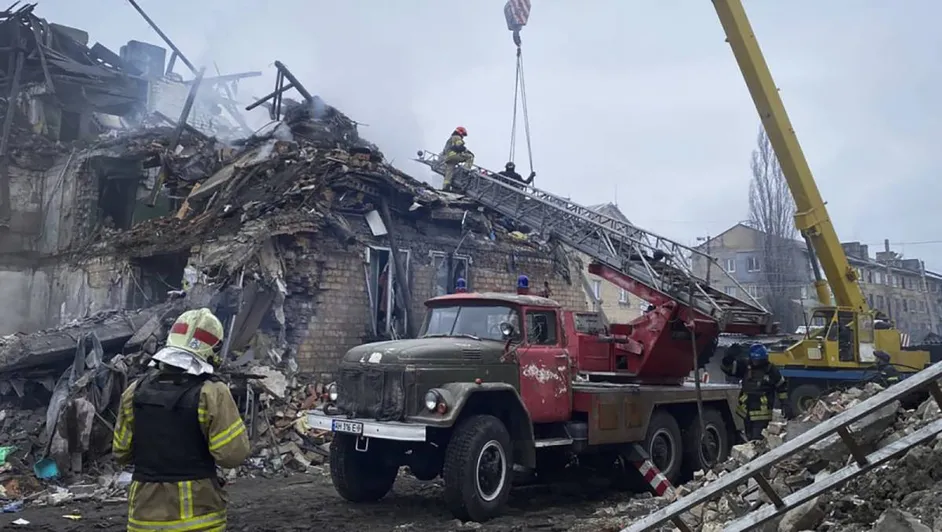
x=476, y=321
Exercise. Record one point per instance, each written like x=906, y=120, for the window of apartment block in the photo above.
x=753, y=290
x=880, y=303
x=623, y=296
x=878, y=277
x=597, y=289
x=870, y=300
x=869, y=276
x=752, y=264
x=804, y=292
x=447, y=272
x=388, y=318
x=922, y=306
x=905, y=305
x=730, y=291
x=902, y=282
x=731, y=265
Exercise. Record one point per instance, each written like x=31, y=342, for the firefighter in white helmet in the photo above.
x=176, y=424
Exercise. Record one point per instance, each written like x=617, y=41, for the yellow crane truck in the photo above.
x=844, y=333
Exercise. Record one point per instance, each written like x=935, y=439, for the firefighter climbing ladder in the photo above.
x=651, y=260
x=838, y=425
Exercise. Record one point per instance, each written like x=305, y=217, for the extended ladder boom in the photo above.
x=648, y=265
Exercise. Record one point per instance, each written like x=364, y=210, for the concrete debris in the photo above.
x=894, y=520
x=904, y=494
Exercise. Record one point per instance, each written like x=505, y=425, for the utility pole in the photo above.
x=925, y=295
x=888, y=286
x=706, y=239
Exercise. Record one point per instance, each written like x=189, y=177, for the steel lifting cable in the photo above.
x=520, y=95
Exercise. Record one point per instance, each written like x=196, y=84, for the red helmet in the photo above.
x=461, y=131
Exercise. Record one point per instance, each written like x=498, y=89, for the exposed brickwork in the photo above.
x=328, y=310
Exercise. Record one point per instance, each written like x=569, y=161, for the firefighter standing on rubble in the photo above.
x=455, y=153
x=175, y=425
x=762, y=382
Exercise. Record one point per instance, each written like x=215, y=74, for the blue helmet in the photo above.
x=758, y=353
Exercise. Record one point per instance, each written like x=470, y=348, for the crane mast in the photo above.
x=811, y=217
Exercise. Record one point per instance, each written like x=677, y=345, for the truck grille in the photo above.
x=372, y=393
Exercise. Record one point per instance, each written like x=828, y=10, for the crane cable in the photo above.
x=520, y=95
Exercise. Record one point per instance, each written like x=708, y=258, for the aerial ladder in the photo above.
x=813, y=221
x=652, y=267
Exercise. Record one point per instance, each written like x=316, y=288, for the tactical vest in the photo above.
x=168, y=443
x=756, y=381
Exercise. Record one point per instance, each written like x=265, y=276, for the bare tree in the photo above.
x=772, y=213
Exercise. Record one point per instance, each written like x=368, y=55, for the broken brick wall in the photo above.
x=52, y=207
x=328, y=308
x=26, y=212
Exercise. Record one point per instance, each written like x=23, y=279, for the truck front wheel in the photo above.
x=360, y=476
x=478, y=468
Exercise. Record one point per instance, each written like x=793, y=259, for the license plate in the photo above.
x=350, y=427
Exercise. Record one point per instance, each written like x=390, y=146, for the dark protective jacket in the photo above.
x=760, y=386
x=191, y=498
x=888, y=371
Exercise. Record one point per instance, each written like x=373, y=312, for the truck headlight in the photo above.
x=333, y=392
x=435, y=402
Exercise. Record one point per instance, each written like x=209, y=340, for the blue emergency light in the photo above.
x=461, y=285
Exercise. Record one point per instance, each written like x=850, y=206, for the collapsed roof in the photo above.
x=302, y=175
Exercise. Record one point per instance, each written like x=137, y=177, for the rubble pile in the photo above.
x=55, y=437
x=903, y=495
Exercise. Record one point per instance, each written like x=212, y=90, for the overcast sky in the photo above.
x=636, y=101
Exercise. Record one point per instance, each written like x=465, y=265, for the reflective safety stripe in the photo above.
x=185, y=489
x=121, y=440
x=220, y=440
x=207, y=522
x=201, y=414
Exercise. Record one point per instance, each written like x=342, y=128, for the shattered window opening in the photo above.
x=155, y=277
x=448, y=272
x=478, y=321
x=390, y=320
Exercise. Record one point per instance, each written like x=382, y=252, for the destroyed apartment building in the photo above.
x=301, y=238
x=303, y=230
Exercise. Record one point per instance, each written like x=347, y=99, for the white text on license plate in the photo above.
x=352, y=427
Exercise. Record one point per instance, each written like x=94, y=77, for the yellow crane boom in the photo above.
x=811, y=215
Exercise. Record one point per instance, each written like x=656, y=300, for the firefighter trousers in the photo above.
x=453, y=159
x=188, y=506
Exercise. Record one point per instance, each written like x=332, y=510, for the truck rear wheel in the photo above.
x=803, y=397
x=478, y=469
x=359, y=476
x=706, y=453
x=664, y=444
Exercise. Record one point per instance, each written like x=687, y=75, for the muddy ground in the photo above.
x=308, y=502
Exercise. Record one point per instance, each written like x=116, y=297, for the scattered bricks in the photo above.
x=866, y=432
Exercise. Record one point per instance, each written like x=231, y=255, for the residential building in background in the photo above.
x=618, y=305
x=897, y=286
